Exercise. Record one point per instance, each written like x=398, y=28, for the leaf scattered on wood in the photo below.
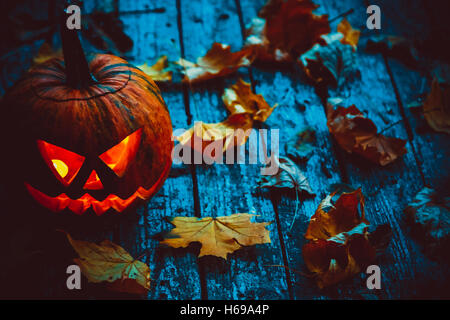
x=108, y=262
x=286, y=29
x=218, y=236
x=222, y=135
x=239, y=98
x=351, y=36
x=334, y=61
x=429, y=214
x=357, y=134
x=46, y=52
x=288, y=176
x=219, y=61
x=158, y=71
x=245, y=107
x=436, y=107
x=340, y=245
x=302, y=145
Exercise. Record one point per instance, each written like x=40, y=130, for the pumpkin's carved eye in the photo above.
x=119, y=156
x=63, y=163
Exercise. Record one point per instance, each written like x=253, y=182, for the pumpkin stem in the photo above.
x=77, y=69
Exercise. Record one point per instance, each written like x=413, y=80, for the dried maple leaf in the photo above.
x=436, y=107
x=218, y=236
x=158, y=71
x=333, y=61
x=218, y=61
x=46, y=52
x=357, y=134
x=289, y=28
x=201, y=135
x=239, y=98
x=245, y=107
x=351, y=36
x=111, y=263
x=340, y=245
x=288, y=176
x=429, y=214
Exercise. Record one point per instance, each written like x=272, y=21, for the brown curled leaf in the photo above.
x=245, y=108
x=217, y=62
x=436, y=107
x=340, y=245
x=357, y=134
x=286, y=29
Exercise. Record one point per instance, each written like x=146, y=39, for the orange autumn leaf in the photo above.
x=46, y=52
x=108, y=262
x=436, y=107
x=289, y=30
x=218, y=61
x=158, y=71
x=218, y=236
x=244, y=106
x=351, y=36
x=340, y=245
x=357, y=134
x=201, y=135
x=239, y=98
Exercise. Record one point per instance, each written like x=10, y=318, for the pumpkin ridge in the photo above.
x=33, y=88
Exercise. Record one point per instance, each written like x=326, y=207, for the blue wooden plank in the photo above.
x=388, y=189
x=226, y=189
x=299, y=108
x=174, y=272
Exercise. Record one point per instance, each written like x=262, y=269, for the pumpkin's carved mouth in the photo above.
x=80, y=205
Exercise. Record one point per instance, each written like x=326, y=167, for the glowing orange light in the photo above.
x=93, y=182
x=119, y=156
x=64, y=164
x=60, y=167
x=80, y=205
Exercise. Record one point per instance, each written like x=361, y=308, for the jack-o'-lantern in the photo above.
x=87, y=133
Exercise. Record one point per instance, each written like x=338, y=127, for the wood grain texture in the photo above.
x=388, y=189
x=226, y=189
x=186, y=28
x=174, y=271
x=299, y=108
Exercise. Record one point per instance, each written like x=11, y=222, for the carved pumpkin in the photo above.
x=88, y=133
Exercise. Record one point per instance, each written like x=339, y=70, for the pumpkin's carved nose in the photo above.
x=93, y=182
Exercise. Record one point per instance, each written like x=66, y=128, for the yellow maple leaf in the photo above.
x=351, y=36
x=245, y=107
x=108, y=262
x=239, y=98
x=217, y=62
x=158, y=71
x=46, y=52
x=218, y=236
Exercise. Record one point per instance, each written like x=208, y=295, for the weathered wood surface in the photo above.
x=183, y=28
